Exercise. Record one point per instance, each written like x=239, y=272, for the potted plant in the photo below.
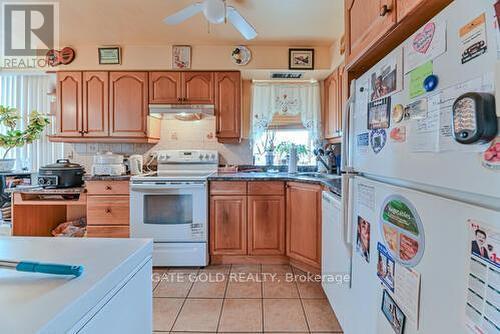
x=269, y=147
x=14, y=137
x=283, y=150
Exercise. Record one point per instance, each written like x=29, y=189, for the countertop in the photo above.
x=89, y=177
x=47, y=191
x=332, y=182
x=39, y=303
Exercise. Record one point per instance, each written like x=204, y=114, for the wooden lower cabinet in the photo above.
x=108, y=231
x=266, y=225
x=228, y=225
x=259, y=222
x=108, y=209
x=303, y=223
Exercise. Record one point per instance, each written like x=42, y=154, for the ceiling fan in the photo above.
x=216, y=12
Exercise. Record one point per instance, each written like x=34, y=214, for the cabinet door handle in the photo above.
x=108, y=210
x=386, y=9
x=108, y=188
x=179, y=99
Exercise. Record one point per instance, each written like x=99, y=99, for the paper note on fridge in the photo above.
x=482, y=306
x=426, y=44
x=473, y=39
x=417, y=77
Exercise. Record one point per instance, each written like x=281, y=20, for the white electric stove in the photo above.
x=171, y=207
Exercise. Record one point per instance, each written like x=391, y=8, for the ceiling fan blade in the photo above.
x=240, y=23
x=183, y=14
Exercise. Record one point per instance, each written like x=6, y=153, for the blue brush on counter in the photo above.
x=45, y=268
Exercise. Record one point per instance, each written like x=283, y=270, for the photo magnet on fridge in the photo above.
x=386, y=267
x=363, y=238
x=379, y=114
x=392, y=312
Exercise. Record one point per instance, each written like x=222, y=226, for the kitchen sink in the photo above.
x=317, y=175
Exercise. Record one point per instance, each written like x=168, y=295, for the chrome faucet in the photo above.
x=330, y=165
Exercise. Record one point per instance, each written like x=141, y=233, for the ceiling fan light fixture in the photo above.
x=214, y=11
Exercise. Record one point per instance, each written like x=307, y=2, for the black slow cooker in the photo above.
x=62, y=174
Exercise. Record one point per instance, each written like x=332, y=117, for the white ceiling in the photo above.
x=136, y=22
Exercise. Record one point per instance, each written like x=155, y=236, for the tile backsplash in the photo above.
x=176, y=135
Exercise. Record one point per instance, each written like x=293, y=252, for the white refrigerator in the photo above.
x=415, y=200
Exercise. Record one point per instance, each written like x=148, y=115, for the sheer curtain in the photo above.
x=269, y=99
x=28, y=92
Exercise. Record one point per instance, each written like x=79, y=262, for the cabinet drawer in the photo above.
x=266, y=188
x=228, y=188
x=107, y=187
x=107, y=231
x=103, y=210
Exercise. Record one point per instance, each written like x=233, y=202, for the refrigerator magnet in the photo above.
x=491, y=157
x=397, y=113
x=398, y=134
x=378, y=139
x=416, y=109
x=402, y=230
x=363, y=238
x=473, y=39
x=386, y=267
x=379, y=114
x=393, y=313
x=362, y=142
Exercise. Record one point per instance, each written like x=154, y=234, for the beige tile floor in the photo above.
x=239, y=299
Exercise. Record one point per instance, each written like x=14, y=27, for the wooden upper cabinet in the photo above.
x=404, y=7
x=128, y=103
x=228, y=225
x=332, y=105
x=303, y=223
x=266, y=225
x=228, y=106
x=198, y=87
x=165, y=87
x=367, y=21
x=95, y=104
x=69, y=104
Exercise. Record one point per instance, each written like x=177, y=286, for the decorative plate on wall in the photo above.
x=241, y=55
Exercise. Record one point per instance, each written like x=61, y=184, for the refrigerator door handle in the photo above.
x=346, y=164
x=347, y=191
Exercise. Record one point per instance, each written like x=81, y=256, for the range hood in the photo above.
x=185, y=109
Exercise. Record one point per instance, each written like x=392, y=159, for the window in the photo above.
x=28, y=92
x=281, y=140
x=285, y=114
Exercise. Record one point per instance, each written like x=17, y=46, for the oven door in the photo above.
x=169, y=212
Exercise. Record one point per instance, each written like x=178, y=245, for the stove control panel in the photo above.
x=188, y=157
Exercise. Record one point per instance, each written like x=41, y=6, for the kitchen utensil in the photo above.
x=62, y=174
x=136, y=162
x=108, y=163
x=45, y=268
x=108, y=158
x=110, y=169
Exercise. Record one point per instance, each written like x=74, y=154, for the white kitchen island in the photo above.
x=113, y=295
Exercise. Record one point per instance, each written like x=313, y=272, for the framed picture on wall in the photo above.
x=301, y=59
x=110, y=55
x=181, y=57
